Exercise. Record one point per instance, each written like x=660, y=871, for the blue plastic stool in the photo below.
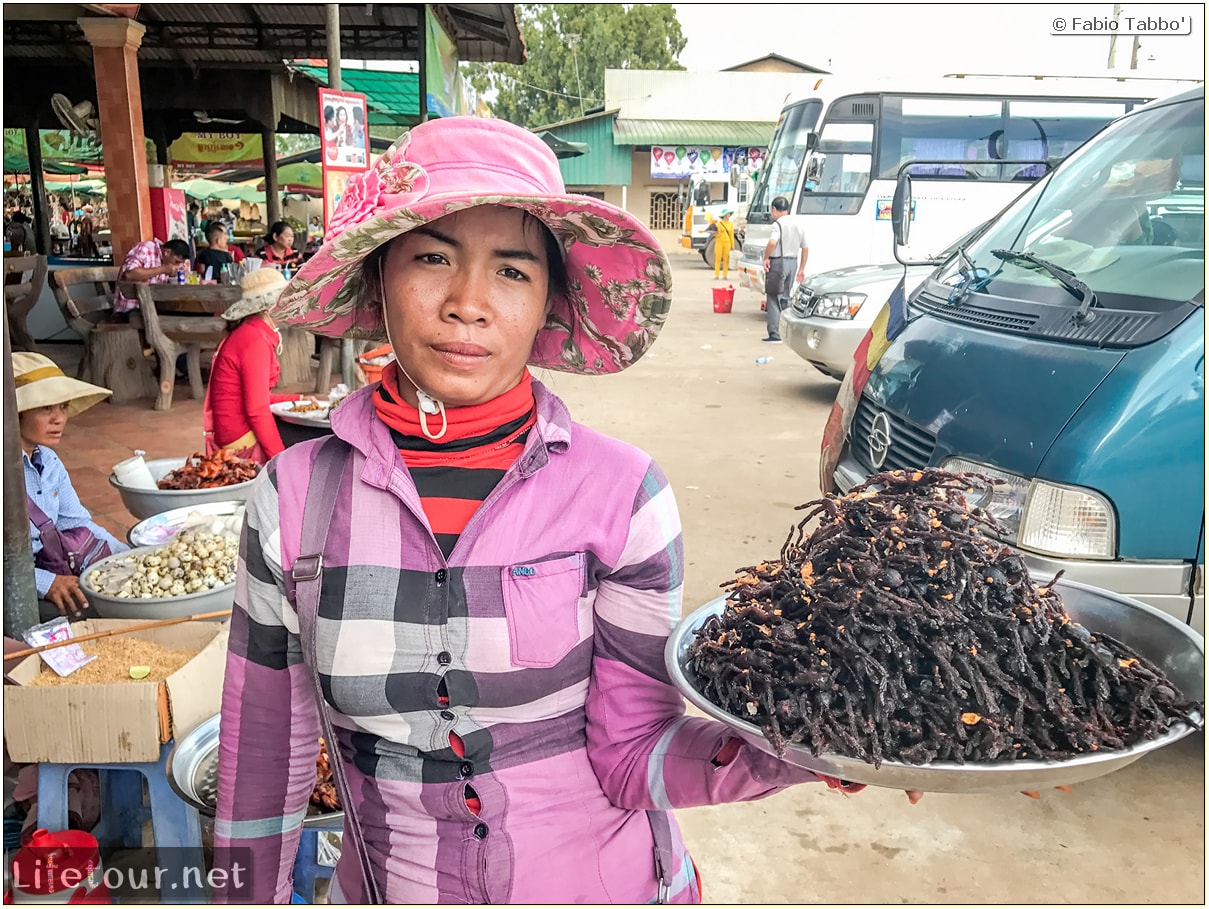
x=307, y=869
x=175, y=824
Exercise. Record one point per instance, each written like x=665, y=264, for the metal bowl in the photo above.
x=111, y=607
x=193, y=775
x=145, y=503
x=159, y=529
x=1171, y=645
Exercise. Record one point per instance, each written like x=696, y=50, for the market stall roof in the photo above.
x=563, y=148
x=19, y=164
x=393, y=98
x=692, y=132
x=92, y=187
x=264, y=35
x=212, y=189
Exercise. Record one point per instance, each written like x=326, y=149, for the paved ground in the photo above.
x=740, y=442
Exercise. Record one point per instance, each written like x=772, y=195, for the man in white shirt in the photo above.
x=786, y=245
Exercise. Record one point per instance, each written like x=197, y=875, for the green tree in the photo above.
x=565, y=37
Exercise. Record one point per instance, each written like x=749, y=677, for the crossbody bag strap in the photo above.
x=665, y=868
x=53, y=544
x=331, y=463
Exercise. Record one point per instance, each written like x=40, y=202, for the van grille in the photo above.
x=910, y=446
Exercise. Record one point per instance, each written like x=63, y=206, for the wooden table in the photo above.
x=171, y=334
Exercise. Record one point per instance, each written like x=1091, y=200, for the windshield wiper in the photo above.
x=973, y=278
x=1067, y=279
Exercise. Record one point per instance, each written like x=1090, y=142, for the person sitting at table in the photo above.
x=218, y=253
x=279, y=246
x=236, y=412
x=65, y=538
x=151, y=261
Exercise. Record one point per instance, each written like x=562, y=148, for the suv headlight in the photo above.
x=837, y=306
x=1047, y=518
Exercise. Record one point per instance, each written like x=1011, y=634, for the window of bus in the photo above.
x=1051, y=130
x=950, y=130
x=783, y=166
x=847, y=151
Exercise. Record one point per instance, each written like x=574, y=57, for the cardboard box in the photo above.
x=119, y=723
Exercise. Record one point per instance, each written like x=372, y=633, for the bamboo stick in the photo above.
x=159, y=623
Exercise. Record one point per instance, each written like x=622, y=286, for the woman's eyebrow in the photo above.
x=522, y=254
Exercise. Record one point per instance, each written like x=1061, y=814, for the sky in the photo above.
x=937, y=39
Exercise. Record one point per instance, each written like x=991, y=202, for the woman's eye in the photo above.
x=431, y=258
x=513, y=275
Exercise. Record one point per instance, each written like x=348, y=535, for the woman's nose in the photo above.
x=466, y=296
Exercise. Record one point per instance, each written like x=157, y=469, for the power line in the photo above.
x=548, y=91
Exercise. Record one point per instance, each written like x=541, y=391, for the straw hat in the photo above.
x=40, y=383
x=261, y=289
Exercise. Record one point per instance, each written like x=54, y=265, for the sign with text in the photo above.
x=713, y=161
x=194, y=149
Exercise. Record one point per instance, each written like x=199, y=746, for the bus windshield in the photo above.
x=1126, y=216
x=784, y=162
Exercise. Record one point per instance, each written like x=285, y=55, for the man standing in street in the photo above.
x=784, y=244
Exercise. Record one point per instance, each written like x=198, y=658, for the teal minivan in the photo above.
x=1063, y=351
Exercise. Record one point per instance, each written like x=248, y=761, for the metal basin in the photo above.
x=1172, y=646
x=159, y=529
x=111, y=607
x=193, y=775
x=145, y=503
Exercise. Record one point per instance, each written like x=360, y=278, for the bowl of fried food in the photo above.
x=195, y=480
x=898, y=643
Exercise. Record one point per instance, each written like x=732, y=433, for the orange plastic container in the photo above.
x=724, y=298
x=372, y=373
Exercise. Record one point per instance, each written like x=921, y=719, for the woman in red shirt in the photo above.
x=236, y=410
x=279, y=246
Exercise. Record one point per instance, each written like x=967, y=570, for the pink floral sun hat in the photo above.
x=619, y=279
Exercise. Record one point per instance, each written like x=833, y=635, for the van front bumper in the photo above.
x=1165, y=585
x=751, y=276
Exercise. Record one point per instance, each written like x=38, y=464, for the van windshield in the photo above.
x=1125, y=214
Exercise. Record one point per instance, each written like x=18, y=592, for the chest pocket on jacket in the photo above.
x=541, y=600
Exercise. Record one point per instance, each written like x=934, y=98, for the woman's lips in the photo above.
x=462, y=354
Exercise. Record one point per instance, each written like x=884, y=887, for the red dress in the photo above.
x=238, y=397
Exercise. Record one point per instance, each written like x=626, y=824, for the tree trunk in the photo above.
x=297, y=346
x=117, y=363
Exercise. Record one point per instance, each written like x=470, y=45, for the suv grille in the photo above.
x=910, y=446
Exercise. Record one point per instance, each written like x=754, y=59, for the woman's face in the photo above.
x=286, y=238
x=465, y=297
x=42, y=426
x=342, y=116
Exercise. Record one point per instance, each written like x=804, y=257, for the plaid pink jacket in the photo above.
x=547, y=625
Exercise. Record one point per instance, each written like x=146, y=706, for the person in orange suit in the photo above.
x=724, y=242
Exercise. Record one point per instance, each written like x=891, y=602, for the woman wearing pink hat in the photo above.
x=479, y=588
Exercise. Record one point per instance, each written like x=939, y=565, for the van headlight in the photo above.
x=1047, y=518
x=837, y=306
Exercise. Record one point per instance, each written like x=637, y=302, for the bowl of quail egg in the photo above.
x=192, y=574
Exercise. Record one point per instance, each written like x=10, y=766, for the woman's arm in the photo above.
x=645, y=751
x=270, y=723
x=254, y=371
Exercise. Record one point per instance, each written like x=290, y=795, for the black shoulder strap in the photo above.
x=332, y=462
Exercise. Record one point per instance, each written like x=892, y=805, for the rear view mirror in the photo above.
x=900, y=212
x=736, y=174
x=812, y=141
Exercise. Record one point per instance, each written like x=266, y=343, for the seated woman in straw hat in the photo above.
x=66, y=540
x=236, y=410
x=467, y=593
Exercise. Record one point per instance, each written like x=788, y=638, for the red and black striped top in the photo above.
x=455, y=474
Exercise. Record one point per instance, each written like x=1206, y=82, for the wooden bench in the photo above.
x=24, y=278
x=170, y=334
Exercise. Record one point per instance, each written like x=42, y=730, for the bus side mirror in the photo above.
x=900, y=212
x=736, y=174
x=812, y=141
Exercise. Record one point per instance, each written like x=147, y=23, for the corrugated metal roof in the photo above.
x=604, y=163
x=692, y=132
x=689, y=95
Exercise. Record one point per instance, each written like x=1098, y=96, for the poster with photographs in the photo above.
x=344, y=129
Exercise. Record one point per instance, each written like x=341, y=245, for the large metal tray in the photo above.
x=193, y=775
x=284, y=411
x=145, y=503
x=1170, y=644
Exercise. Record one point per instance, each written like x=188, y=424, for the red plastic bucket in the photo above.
x=724, y=298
